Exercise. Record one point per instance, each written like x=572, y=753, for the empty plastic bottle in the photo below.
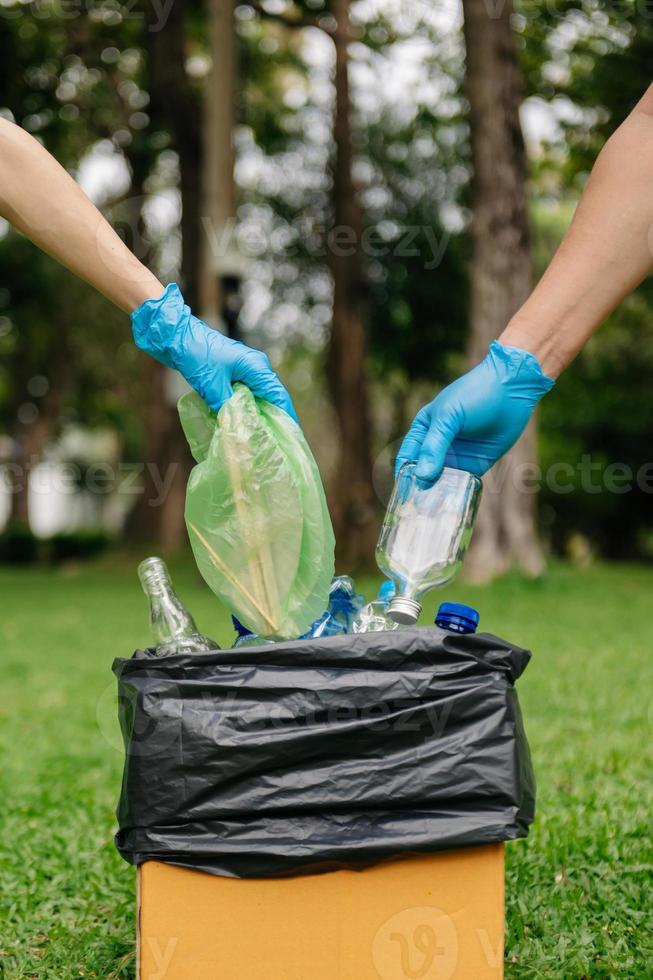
x=344, y=601
x=242, y=633
x=456, y=617
x=425, y=535
x=326, y=625
x=373, y=618
x=172, y=625
x=245, y=637
x=386, y=592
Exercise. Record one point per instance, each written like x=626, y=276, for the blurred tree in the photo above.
x=57, y=85
x=175, y=107
x=411, y=161
x=591, y=63
x=220, y=267
x=500, y=272
x=417, y=269
x=354, y=508
x=352, y=498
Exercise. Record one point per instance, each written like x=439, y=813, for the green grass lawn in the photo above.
x=579, y=889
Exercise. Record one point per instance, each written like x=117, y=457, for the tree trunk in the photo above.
x=174, y=106
x=501, y=272
x=219, y=265
x=353, y=502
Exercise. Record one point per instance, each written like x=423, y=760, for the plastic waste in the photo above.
x=386, y=591
x=245, y=637
x=344, y=601
x=326, y=625
x=373, y=618
x=425, y=534
x=172, y=625
x=256, y=514
x=302, y=757
x=456, y=617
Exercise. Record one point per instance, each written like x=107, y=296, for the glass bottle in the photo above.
x=456, y=617
x=172, y=625
x=425, y=534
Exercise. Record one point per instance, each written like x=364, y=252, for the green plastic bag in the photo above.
x=256, y=514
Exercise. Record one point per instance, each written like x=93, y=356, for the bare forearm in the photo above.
x=605, y=254
x=43, y=202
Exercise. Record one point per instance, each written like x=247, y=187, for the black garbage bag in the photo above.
x=313, y=755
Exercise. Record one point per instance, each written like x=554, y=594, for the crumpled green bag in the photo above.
x=256, y=513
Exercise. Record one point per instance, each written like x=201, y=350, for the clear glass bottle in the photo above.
x=425, y=534
x=172, y=625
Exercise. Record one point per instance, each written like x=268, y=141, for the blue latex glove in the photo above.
x=477, y=419
x=210, y=362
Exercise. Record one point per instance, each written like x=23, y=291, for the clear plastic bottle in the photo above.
x=344, y=601
x=373, y=618
x=245, y=637
x=326, y=625
x=425, y=534
x=387, y=591
x=456, y=617
x=172, y=625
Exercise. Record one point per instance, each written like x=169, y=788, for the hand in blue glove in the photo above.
x=210, y=362
x=477, y=419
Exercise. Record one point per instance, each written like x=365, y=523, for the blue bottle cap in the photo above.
x=456, y=617
x=240, y=629
x=387, y=591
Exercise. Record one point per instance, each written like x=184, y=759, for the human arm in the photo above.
x=42, y=201
x=605, y=254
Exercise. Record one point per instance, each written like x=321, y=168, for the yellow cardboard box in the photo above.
x=438, y=917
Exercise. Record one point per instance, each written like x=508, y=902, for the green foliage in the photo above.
x=77, y=545
x=578, y=889
x=18, y=545
x=593, y=57
x=418, y=294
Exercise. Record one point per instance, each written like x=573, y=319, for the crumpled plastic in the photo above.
x=256, y=514
x=315, y=755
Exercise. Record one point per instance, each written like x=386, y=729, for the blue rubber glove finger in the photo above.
x=437, y=442
x=427, y=441
x=253, y=369
x=413, y=440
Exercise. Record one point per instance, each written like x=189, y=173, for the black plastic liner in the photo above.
x=314, y=755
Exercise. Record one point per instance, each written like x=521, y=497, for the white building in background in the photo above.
x=76, y=486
